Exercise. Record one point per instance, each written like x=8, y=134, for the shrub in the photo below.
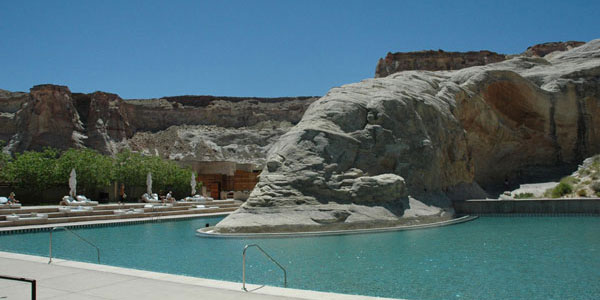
x=570, y=180
x=582, y=193
x=523, y=195
x=561, y=189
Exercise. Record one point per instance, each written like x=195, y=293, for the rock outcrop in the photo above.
x=47, y=118
x=364, y=153
x=10, y=103
x=541, y=50
x=211, y=142
x=434, y=61
x=106, y=121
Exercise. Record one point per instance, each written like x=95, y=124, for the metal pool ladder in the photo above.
x=75, y=234
x=268, y=256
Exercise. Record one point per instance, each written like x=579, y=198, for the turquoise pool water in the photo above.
x=488, y=258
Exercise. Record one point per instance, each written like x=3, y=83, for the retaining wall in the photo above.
x=528, y=206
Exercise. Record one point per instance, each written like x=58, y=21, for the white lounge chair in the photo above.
x=150, y=198
x=4, y=204
x=31, y=216
x=194, y=199
x=79, y=201
x=129, y=211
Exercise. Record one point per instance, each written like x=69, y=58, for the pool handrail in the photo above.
x=77, y=235
x=268, y=256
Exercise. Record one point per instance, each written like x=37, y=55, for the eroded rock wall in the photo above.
x=158, y=114
x=185, y=128
x=47, y=118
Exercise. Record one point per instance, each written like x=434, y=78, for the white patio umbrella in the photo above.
x=73, y=183
x=149, y=184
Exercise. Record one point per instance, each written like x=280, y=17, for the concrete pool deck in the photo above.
x=64, y=279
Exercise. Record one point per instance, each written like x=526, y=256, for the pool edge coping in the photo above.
x=458, y=220
x=189, y=280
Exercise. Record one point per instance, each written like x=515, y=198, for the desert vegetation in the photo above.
x=585, y=182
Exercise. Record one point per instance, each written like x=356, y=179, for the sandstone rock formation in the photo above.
x=434, y=61
x=364, y=153
x=47, y=118
x=10, y=103
x=200, y=128
x=105, y=120
x=541, y=50
x=211, y=142
x=445, y=61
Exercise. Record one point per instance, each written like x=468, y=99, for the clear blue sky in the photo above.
x=142, y=49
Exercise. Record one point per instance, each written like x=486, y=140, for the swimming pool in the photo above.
x=488, y=258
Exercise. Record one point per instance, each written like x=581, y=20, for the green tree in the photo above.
x=4, y=160
x=40, y=171
x=132, y=169
x=33, y=170
x=94, y=170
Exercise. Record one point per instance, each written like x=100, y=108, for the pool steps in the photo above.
x=107, y=212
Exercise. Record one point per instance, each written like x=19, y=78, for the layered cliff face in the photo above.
x=105, y=120
x=204, y=128
x=434, y=61
x=388, y=149
x=10, y=103
x=211, y=143
x=541, y=50
x=445, y=61
x=47, y=118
